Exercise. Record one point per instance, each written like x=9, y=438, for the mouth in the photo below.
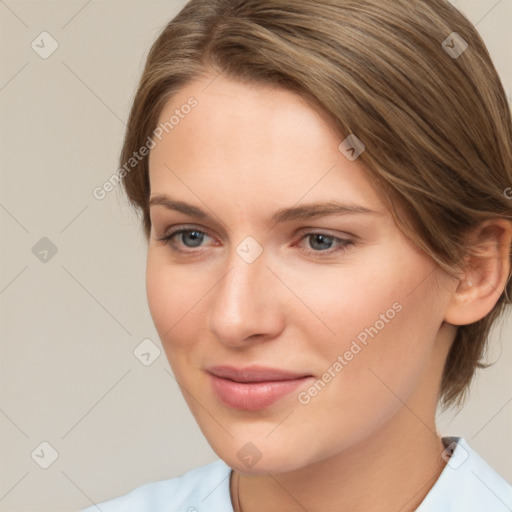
x=254, y=387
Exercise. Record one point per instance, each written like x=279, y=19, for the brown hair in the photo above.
x=436, y=126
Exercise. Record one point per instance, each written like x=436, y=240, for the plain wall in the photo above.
x=69, y=325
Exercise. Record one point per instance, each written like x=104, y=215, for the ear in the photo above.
x=485, y=275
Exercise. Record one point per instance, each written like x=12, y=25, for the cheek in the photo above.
x=173, y=295
x=366, y=388
x=358, y=302
x=161, y=294
x=384, y=330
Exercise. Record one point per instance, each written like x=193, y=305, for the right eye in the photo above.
x=188, y=235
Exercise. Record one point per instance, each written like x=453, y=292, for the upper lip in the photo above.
x=254, y=373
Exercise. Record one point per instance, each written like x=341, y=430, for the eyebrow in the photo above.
x=304, y=212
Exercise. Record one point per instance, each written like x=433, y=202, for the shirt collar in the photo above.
x=467, y=483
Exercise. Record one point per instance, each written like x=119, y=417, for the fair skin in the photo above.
x=242, y=154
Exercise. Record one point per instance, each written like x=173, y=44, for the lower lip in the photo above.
x=253, y=396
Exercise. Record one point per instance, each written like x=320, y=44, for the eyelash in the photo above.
x=343, y=242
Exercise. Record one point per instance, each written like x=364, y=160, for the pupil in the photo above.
x=322, y=238
x=195, y=237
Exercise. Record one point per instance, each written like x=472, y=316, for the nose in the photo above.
x=245, y=303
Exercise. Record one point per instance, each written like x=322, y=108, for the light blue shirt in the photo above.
x=466, y=484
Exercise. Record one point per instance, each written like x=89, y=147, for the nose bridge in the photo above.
x=241, y=306
x=239, y=290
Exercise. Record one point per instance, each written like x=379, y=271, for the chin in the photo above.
x=255, y=454
x=274, y=463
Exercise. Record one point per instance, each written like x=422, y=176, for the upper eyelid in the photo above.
x=304, y=231
x=186, y=227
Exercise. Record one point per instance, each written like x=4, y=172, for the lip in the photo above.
x=253, y=387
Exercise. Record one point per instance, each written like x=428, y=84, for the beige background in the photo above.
x=69, y=326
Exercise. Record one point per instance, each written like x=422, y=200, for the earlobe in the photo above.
x=486, y=275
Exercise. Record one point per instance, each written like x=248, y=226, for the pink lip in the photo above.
x=254, y=387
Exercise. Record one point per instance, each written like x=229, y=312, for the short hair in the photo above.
x=412, y=79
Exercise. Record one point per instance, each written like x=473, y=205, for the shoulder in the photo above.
x=202, y=488
x=467, y=483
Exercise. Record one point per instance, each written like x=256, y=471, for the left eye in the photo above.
x=192, y=238
x=320, y=240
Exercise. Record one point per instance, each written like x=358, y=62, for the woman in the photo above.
x=323, y=190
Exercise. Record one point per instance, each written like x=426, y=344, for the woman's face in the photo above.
x=341, y=302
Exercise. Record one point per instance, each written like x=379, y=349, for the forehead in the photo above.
x=257, y=112
x=246, y=136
